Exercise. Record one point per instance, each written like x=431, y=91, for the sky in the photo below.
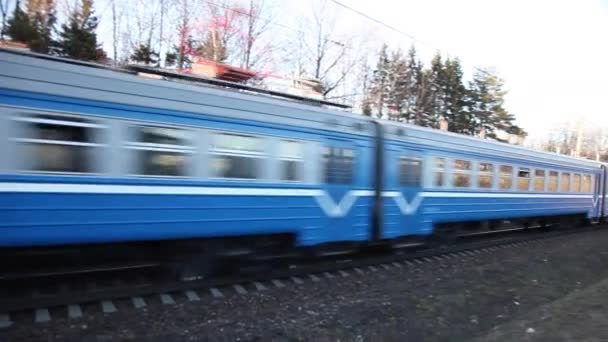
x=552, y=54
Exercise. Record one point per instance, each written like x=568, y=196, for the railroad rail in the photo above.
x=125, y=284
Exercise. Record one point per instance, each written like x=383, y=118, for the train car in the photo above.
x=107, y=166
x=97, y=159
x=439, y=181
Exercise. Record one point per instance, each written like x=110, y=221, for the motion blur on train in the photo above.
x=105, y=167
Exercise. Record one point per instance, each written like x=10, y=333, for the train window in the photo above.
x=410, y=171
x=565, y=182
x=291, y=155
x=586, y=183
x=523, y=179
x=553, y=181
x=160, y=151
x=539, y=180
x=506, y=177
x=338, y=165
x=576, y=183
x=486, y=175
x=438, y=171
x=462, y=173
x=59, y=143
x=236, y=156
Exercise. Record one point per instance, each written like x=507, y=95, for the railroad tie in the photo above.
x=278, y=283
x=107, y=306
x=5, y=320
x=240, y=289
x=396, y=264
x=297, y=280
x=138, y=302
x=358, y=270
x=216, y=293
x=167, y=299
x=328, y=275
x=74, y=311
x=343, y=273
x=259, y=286
x=192, y=296
x=42, y=315
x=314, y=278
x=372, y=268
x=385, y=266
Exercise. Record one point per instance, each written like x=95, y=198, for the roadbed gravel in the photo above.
x=549, y=291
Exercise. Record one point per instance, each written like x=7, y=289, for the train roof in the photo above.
x=65, y=77
x=442, y=140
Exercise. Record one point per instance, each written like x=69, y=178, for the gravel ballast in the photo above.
x=495, y=296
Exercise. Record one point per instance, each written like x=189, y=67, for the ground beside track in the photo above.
x=494, y=296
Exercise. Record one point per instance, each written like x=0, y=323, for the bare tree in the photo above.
x=117, y=14
x=255, y=25
x=330, y=57
x=4, y=4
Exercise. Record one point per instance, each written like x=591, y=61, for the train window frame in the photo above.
x=329, y=157
x=540, y=186
x=406, y=180
x=587, y=187
x=553, y=183
x=505, y=175
x=136, y=145
x=464, y=173
x=66, y=120
x=258, y=155
x=483, y=173
x=439, y=169
x=291, y=159
x=575, y=186
x=565, y=176
x=523, y=182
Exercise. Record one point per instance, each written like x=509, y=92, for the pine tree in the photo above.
x=78, y=38
x=434, y=83
x=396, y=87
x=19, y=27
x=42, y=16
x=378, y=93
x=486, y=106
x=145, y=54
x=454, y=97
x=411, y=84
x=213, y=48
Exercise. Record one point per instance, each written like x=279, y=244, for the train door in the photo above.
x=404, y=174
x=338, y=179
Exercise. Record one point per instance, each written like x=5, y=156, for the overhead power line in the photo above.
x=394, y=29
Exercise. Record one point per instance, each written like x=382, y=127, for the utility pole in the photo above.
x=579, y=138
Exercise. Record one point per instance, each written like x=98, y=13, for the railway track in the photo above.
x=37, y=302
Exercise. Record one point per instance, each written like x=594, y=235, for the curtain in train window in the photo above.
x=462, y=173
x=486, y=175
x=523, y=179
x=539, y=180
x=565, y=182
x=553, y=181
x=506, y=177
x=576, y=183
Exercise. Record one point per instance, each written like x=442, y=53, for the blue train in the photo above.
x=110, y=161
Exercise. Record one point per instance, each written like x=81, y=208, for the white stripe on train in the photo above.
x=325, y=201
